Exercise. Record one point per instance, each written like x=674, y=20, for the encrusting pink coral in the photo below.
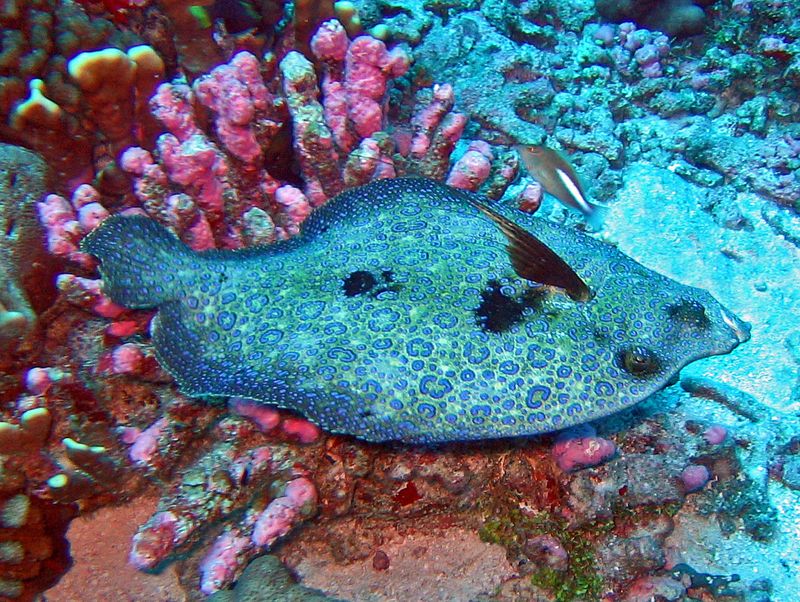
x=301, y=429
x=263, y=416
x=233, y=471
x=144, y=443
x=694, y=477
x=230, y=199
x=355, y=82
x=39, y=380
x=232, y=549
x=715, y=434
x=436, y=129
x=368, y=68
x=579, y=447
x=530, y=199
x=222, y=183
x=64, y=230
x=283, y=512
x=87, y=293
x=473, y=168
x=267, y=418
x=242, y=106
x=219, y=566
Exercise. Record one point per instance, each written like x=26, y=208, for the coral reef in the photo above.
x=530, y=91
x=673, y=17
x=40, y=105
x=194, y=43
x=33, y=550
x=207, y=180
x=229, y=128
x=266, y=579
x=24, y=269
x=579, y=447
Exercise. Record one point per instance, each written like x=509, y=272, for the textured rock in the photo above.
x=451, y=50
x=640, y=551
x=659, y=220
x=448, y=565
x=595, y=492
x=22, y=183
x=267, y=580
x=655, y=588
x=99, y=545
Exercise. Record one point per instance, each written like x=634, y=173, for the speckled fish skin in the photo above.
x=397, y=315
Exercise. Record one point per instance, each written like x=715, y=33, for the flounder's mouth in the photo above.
x=739, y=327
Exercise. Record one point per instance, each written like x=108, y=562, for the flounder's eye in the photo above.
x=639, y=361
x=689, y=312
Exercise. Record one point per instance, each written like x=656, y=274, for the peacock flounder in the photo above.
x=407, y=310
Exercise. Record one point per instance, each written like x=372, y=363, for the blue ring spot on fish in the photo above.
x=445, y=320
x=509, y=367
x=435, y=387
x=419, y=347
x=310, y=310
x=537, y=395
x=476, y=355
x=426, y=410
x=603, y=388
x=342, y=354
x=271, y=336
x=336, y=329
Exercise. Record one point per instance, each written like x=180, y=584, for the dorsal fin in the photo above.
x=534, y=260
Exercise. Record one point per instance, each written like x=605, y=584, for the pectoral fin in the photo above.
x=534, y=260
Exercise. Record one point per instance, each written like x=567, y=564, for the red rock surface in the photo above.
x=100, y=545
x=451, y=564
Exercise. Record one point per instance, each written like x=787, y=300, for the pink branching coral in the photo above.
x=228, y=198
x=215, y=189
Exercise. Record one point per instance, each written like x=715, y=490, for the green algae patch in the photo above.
x=580, y=580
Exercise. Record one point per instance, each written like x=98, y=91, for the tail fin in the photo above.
x=597, y=218
x=140, y=260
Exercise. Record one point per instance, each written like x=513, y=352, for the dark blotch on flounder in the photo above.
x=361, y=282
x=358, y=283
x=453, y=344
x=498, y=312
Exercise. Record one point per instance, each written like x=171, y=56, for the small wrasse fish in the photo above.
x=557, y=176
x=407, y=310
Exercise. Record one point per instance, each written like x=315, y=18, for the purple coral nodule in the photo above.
x=580, y=447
